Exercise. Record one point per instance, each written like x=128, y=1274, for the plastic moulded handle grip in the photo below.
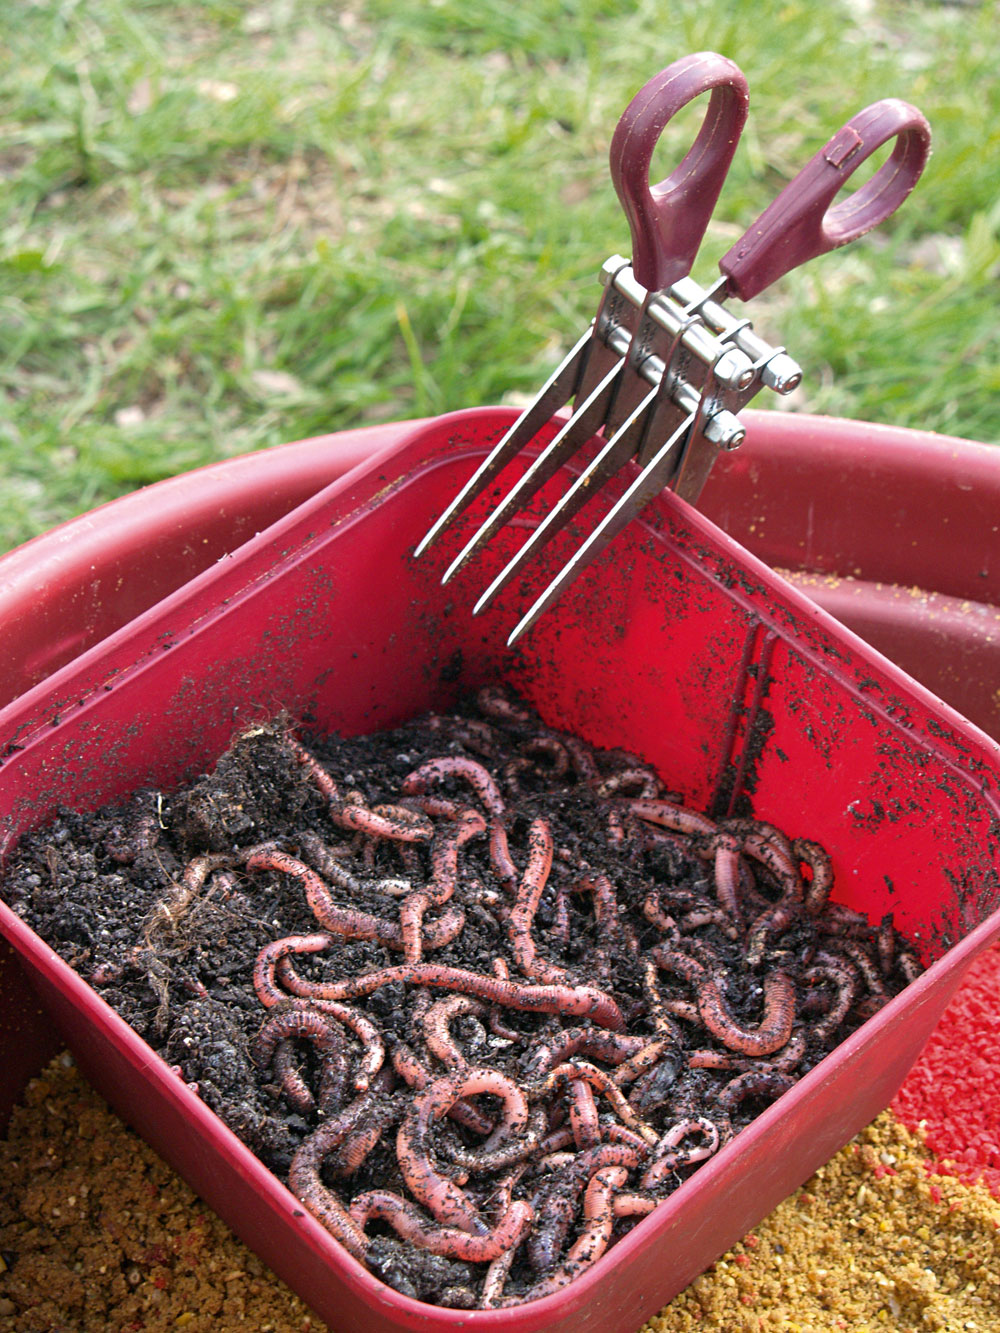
x=801, y=223
x=668, y=220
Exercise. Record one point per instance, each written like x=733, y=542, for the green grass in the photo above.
x=225, y=226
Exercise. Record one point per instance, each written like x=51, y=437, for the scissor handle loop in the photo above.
x=668, y=220
x=803, y=221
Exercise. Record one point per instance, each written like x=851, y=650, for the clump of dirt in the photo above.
x=589, y=979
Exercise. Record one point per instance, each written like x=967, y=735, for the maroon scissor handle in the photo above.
x=668, y=220
x=804, y=222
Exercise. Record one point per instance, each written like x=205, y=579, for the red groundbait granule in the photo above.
x=952, y=1093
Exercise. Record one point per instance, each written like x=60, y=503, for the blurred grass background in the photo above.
x=227, y=225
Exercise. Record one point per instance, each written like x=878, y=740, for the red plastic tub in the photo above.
x=679, y=646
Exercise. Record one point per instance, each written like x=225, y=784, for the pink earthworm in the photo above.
x=415, y=1074
x=497, y=1273
x=774, y=921
x=522, y=914
x=614, y=1048
x=867, y=966
x=841, y=976
x=769, y=846
x=553, y=749
x=272, y=954
x=556, y=1201
x=436, y=1022
x=595, y=1234
x=449, y=1204
x=394, y=822
x=649, y=1053
x=349, y=922
x=512, y=1153
x=571, y=1001
x=636, y=781
x=670, y=1155
x=666, y=814
x=817, y=858
x=582, y=759
x=726, y=849
x=454, y=1243
x=472, y=732
x=468, y=824
x=788, y=1059
x=709, y=916
x=601, y=1082
x=630, y=1204
x=774, y=1028
x=411, y=924
x=305, y=1183
x=273, y=1044
x=350, y=1155
x=583, y=1119
x=885, y=944
x=754, y=1083
x=479, y=778
x=495, y=702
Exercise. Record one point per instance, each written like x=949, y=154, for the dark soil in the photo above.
x=105, y=890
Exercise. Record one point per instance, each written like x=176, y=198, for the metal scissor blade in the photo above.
x=556, y=392
x=646, y=485
x=611, y=459
x=585, y=422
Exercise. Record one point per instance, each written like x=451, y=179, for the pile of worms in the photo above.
x=577, y=989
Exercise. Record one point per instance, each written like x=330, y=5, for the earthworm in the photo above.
x=867, y=966
x=771, y=848
x=726, y=848
x=645, y=1057
x=614, y=1048
x=885, y=944
x=376, y=1117
x=496, y=1274
x=472, y=732
x=468, y=824
x=448, y=1203
x=754, y=1083
x=349, y=922
x=582, y=758
x=838, y=973
x=480, y=1160
x=669, y=1155
x=394, y=822
x=522, y=914
x=497, y=704
x=168, y=912
x=668, y=815
x=407, y=1221
x=774, y=1028
x=556, y=1201
x=627, y=780
x=573, y=1001
x=415, y=1074
x=479, y=778
x=274, y=1044
x=595, y=1234
x=272, y=954
x=630, y=1204
x=305, y=1183
x=436, y=1022
x=553, y=749
x=601, y=1082
x=787, y=1060
x=817, y=858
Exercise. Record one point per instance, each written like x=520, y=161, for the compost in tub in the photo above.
x=678, y=648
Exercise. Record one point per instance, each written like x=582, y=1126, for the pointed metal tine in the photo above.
x=611, y=459
x=557, y=390
x=646, y=485
x=586, y=420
